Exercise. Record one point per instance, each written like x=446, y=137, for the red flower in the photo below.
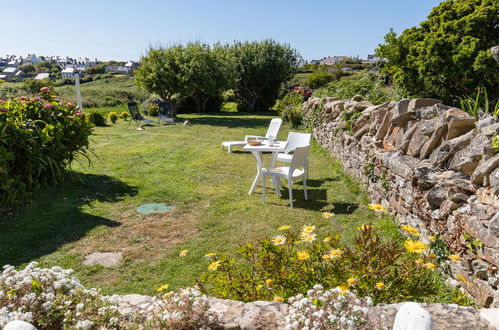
x=48, y=106
x=4, y=110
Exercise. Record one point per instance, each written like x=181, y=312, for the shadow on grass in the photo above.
x=344, y=208
x=56, y=217
x=231, y=120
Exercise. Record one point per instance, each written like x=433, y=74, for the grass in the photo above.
x=94, y=210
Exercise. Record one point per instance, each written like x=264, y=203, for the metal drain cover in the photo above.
x=154, y=208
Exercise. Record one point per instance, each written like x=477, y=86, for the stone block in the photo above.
x=416, y=104
x=485, y=167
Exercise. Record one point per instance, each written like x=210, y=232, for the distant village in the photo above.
x=18, y=68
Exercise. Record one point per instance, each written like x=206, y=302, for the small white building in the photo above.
x=68, y=73
x=300, y=62
x=43, y=75
x=10, y=70
x=31, y=59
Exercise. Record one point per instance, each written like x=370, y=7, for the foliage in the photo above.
x=289, y=107
x=472, y=243
x=448, y=54
x=260, y=69
x=331, y=309
x=368, y=84
x=124, y=115
x=39, y=137
x=153, y=110
x=151, y=100
x=479, y=105
x=319, y=79
x=495, y=143
x=195, y=70
x=33, y=86
x=96, y=69
x=96, y=118
x=293, y=263
x=113, y=117
x=350, y=118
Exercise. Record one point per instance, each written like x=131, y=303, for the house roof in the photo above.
x=10, y=70
x=68, y=70
x=43, y=75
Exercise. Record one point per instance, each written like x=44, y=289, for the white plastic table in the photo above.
x=257, y=151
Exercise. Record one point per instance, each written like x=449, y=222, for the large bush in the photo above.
x=319, y=79
x=39, y=137
x=449, y=53
x=261, y=68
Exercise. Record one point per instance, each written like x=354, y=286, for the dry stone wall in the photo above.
x=432, y=166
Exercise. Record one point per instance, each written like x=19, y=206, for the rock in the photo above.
x=433, y=141
x=19, y=325
x=444, y=316
x=459, y=198
x=357, y=98
x=416, y=104
x=480, y=269
x=431, y=112
x=106, y=259
x=485, y=121
x=448, y=148
x=403, y=166
x=447, y=207
x=411, y=316
x=401, y=107
x=458, y=126
x=466, y=160
x=361, y=106
x=417, y=140
x=484, y=169
x=384, y=127
x=407, y=138
x=491, y=315
x=403, y=119
x=494, y=181
x=437, y=195
x=490, y=130
x=479, y=289
x=422, y=177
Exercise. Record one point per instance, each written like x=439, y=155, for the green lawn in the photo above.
x=94, y=210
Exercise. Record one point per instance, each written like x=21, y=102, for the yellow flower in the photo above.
x=380, y=285
x=308, y=229
x=269, y=282
x=433, y=238
x=364, y=227
x=377, y=208
x=286, y=227
x=259, y=287
x=410, y=230
x=183, y=253
x=309, y=238
x=327, y=214
x=214, y=265
x=327, y=239
x=326, y=257
x=462, y=278
x=163, y=288
x=278, y=240
x=419, y=261
x=343, y=289
x=415, y=246
x=351, y=281
x=432, y=256
x=335, y=253
x=454, y=257
x=210, y=255
x=431, y=266
x=168, y=295
x=277, y=298
x=302, y=255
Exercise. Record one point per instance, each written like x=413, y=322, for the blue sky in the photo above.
x=122, y=30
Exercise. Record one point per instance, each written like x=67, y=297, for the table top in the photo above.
x=278, y=146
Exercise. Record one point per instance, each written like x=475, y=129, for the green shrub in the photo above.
x=153, y=110
x=367, y=84
x=96, y=118
x=289, y=108
x=151, y=100
x=293, y=262
x=39, y=137
x=113, y=117
x=124, y=115
x=319, y=79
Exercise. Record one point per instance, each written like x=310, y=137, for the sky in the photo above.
x=125, y=29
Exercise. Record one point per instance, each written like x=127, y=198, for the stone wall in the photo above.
x=432, y=166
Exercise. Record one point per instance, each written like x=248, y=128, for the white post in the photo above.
x=78, y=92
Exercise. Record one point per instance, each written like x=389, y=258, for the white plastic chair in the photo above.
x=296, y=170
x=295, y=140
x=273, y=130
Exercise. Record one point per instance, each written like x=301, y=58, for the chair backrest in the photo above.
x=274, y=127
x=299, y=158
x=134, y=111
x=164, y=109
x=296, y=140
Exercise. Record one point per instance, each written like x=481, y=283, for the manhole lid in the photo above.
x=154, y=208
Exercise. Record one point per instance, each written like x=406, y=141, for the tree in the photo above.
x=96, y=69
x=179, y=72
x=448, y=54
x=319, y=79
x=27, y=68
x=260, y=69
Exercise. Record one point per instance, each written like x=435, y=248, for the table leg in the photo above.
x=259, y=166
x=275, y=180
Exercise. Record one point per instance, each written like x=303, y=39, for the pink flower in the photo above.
x=69, y=104
x=78, y=112
x=70, y=117
x=45, y=89
x=2, y=101
x=4, y=110
x=36, y=99
x=22, y=98
x=48, y=106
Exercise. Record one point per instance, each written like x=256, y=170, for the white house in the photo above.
x=332, y=60
x=10, y=70
x=300, y=62
x=68, y=73
x=31, y=59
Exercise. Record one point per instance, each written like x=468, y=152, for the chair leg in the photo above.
x=305, y=188
x=264, y=188
x=229, y=150
x=276, y=186
x=290, y=188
